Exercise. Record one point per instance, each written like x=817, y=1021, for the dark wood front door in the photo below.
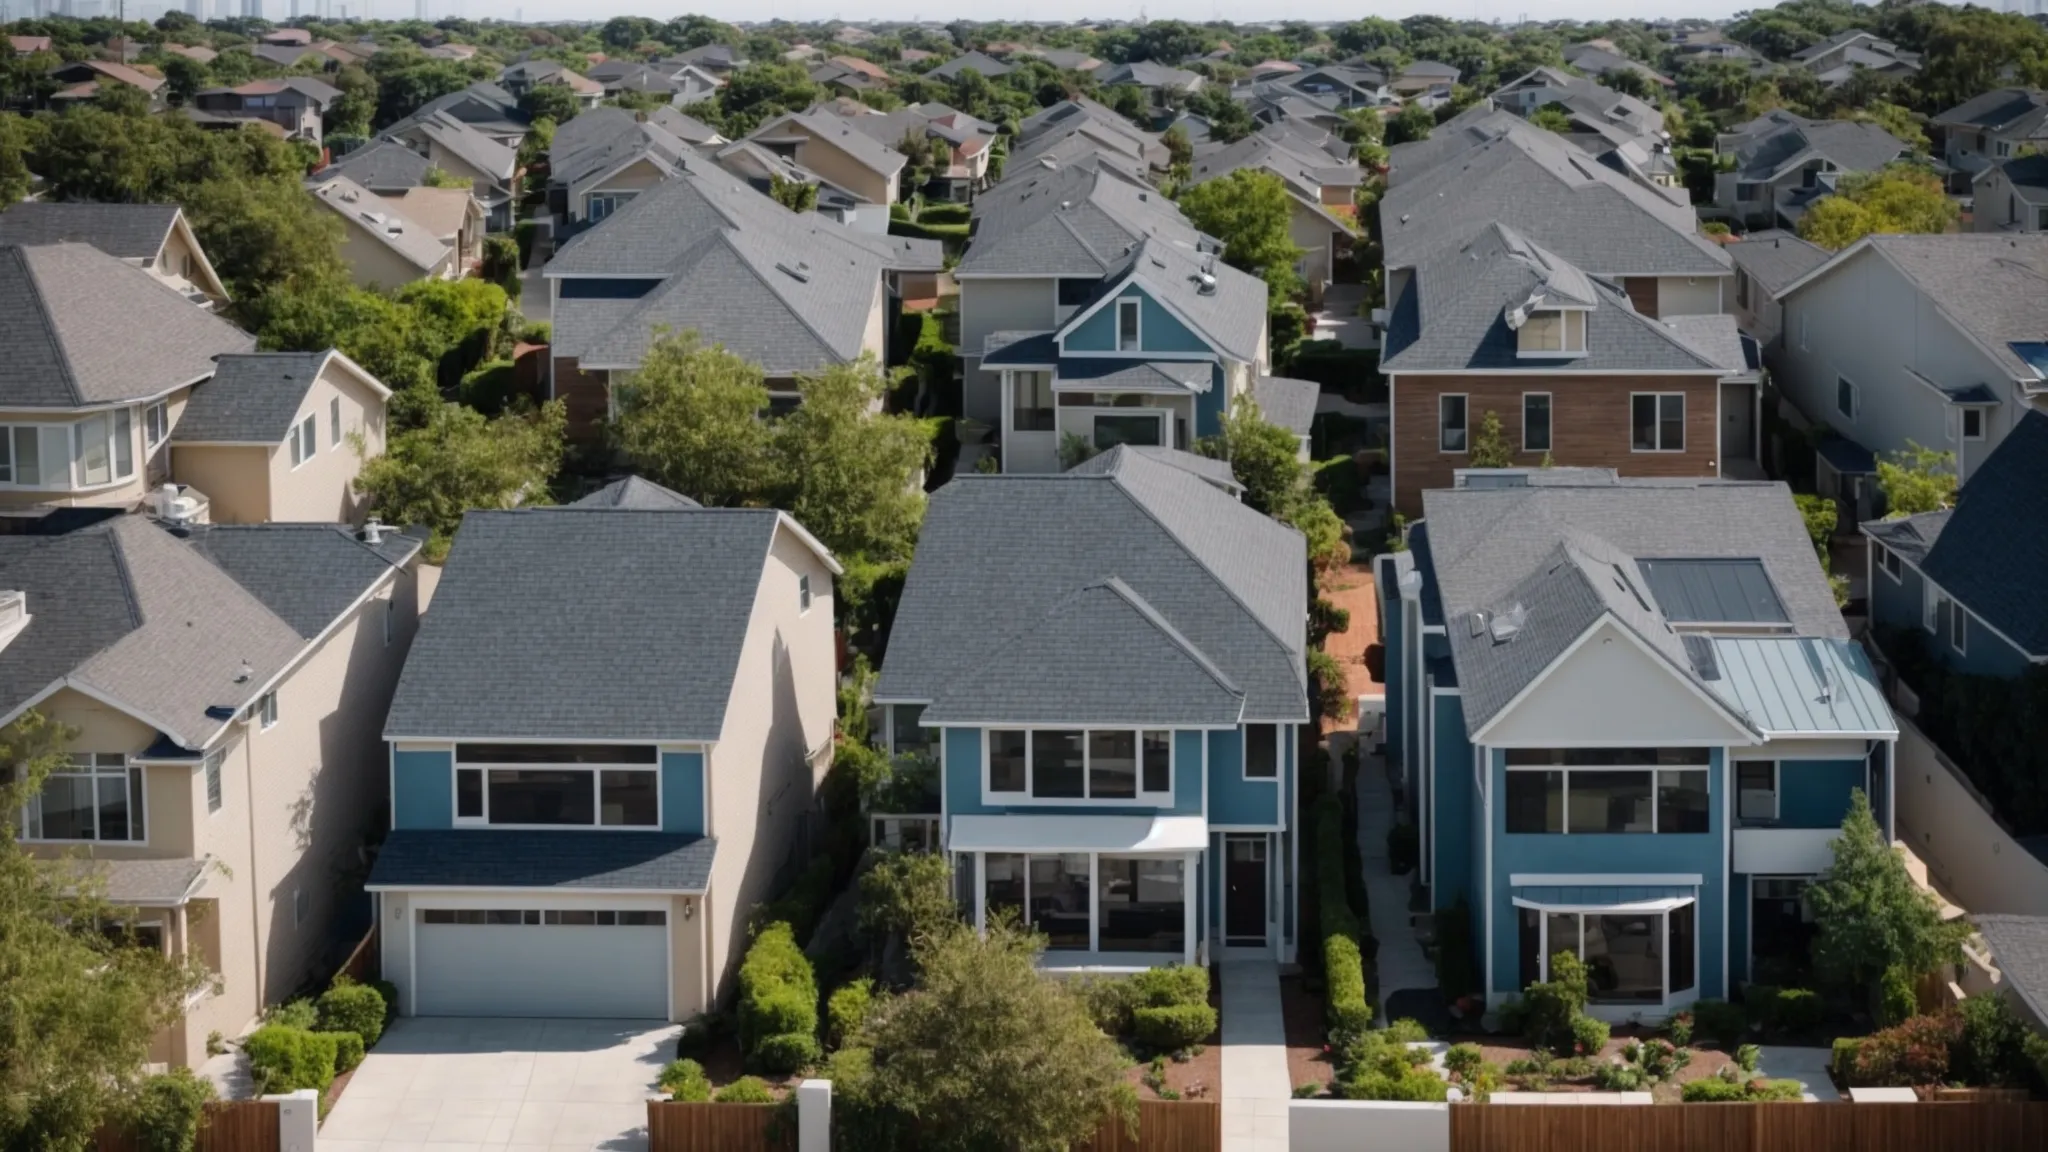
x=1244, y=881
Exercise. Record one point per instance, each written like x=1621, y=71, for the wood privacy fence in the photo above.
x=229, y=1126
x=675, y=1127
x=1165, y=1126
x=1771, y=1127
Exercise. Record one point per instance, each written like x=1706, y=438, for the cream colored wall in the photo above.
x=762, y=781
x=1311, y=233
x=686, y=957
x=157, y=465
x=321, y=489
x=455, y=165
x=1694, y=295
x=875, y=338
x=234, y=478
x=637, y=177
x=839, y=167
x=373, y=263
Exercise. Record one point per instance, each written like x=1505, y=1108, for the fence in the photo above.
x=673, y=1127
x=1775, y=1127
x=229, y=1126
x=1165, y=1126
x=361, y=965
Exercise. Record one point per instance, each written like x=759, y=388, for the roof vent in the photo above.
x=373, y=532
x=1482, y=622
x=243, y=673
x=800, y=272
x=1205, y=283
x=1509, y=624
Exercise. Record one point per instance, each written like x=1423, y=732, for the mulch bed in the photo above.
x=725, y=1064
x=1201, y=1076
x=1707, y=1061
x=1308, y=1061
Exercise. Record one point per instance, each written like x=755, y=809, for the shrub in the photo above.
x=1411, y=1083
x=1613, y=1077
x=165, y=1113
x=1464, y=1059
x=1799, y=1010
x=286, y=1059
x=1716, y=1091
x=1775, y=1090
x=1896, y=1000
x=778, y=998
x=786, y=1053
x=1680, y=1029
x=1109, y=1002
x=1723, y=1023
x=684, y=1080
x=1907, y=1054
x=1344, y=987
x=1308, y=1090
x=1992, y=1051
x=1747, y=1056
x=1659, y=1059
x=745, y=1090
x=1174, y=1028
x=1404, y=847
x=1552, y=1005
x=945, y=212
x=1589, y=1036
x=301, y=1014
x=1406, y=1031
x=1170, y=986
x=848, y=1009
x=522, y=235
x=352, y=1007
x=348, y=1050
x=1842, y=1060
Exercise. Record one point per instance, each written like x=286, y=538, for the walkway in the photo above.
x=1402, y=965
x=1256, y=1084
x=1338, y=319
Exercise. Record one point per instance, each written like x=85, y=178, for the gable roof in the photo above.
x=649, y=652
x=1229, y=314
x=383, y=166
x=473, y=147
x=1991, y=551
x=1070, y=222
x=1217, y=472
x=1288, y=402
x=1280, y=150
x=989, y=67
x=827, y=128
x=127, y=231
x=1148, y=74
x=80, y=327
x=2019, y=946
x=1775, y=258
x=2001, y=110
x=633, y=492
x=254, y=396
x=1775, y=142
x=112, y=71
x=1222, y=584
x=383, y=220
x=566, y=859
x=1594, y=60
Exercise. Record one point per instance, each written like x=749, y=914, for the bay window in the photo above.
x=1080, y=764
x=558, y=785
x=92, y=796
x=1607, y=790
x=106, y=449
x=35, y=455
x=1634, y=954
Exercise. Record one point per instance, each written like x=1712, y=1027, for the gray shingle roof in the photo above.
x=139, y=883
x=647, y=651
x=1069, y=222
x=1912, y=537
x=1224, y=577
x=1993, y=551
x=981, y=62
x=834, y=130
x=1288, y=402
x=383, y=220
x=2019, y=947
x=1276, y=149
x=308, y=574
x=1230, y=315
x=633, y=492
x=1775, y=258
x=1147, y=74
x=383, y=166
x=567, y=860
x=1175, y=376
x=1216, y=472
x=127, y=231
x=1776, y=141
x=251, y=399
x=1999, y=108
x=1988, y=284
x=460, y=137
x=80, y=327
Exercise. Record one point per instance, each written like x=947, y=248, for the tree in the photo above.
x=16, y=137
x=83, y=1002
x=849, y=472
x=984, y=1053
x=1627, y=81
x=1552, y=118
x=1898, y=121
x=1490, y=445
x=263, y=234
x=352, y=113
x=690, y=418
x=549, y=102
x=1250, y=211
x=1178, y=148
x=1900, y=197
x=1263, y=456
x=1869, y=917
x=458, y=461
x=760, y=92
x=1412, y=123
x=1916, y=479
x=795, y=195
x=183, y=78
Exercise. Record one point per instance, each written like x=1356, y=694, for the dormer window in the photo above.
x=1127, y=330
x=1551, y=333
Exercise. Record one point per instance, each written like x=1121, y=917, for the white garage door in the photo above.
x=584, y=962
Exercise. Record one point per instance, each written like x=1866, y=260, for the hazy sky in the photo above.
x=1236, y=10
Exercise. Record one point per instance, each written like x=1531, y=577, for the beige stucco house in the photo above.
x=156, y=238
x=833, y=148
x=383, y=246
x=224, y=685
x=583, y=832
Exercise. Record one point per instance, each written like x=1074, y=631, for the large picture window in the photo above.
x=1657, y=421
x=1081, y=764
x=92, y=796
x=1143, y=905
x=1632, y=956
x=558, y=785
x=1599, y=791
x=1127, y=903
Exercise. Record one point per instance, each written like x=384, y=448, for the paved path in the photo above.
x=1809, y=1066
x=1256, y=1084
x=1402, y=965
x=1339, y=319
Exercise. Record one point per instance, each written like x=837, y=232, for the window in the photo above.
x=1552, y=333
x=35, y=455
x=92, y=796
x=1746, y=192
x=1958, y=628
x=1682, y=805
x=213, y=788
x=266, y=710
x=551, y=917
x=1450, y=423
x=301, y=907
x=1093, y=764
x=1682, y=947
x=1143, y=905
x=1625, y=953
x=1845, y=397
x=1535, y=421
x=156, y=424
x=1756, y=791
x=1127, y=325
x=558, y=785
x=304, y=441
x=1261, y=751
x=1072, y=292
x=604, y=204
x=1058, y=900
x=1973, y=423
x=1657, y=421
x=1586, y=800
x=1031, y=407
x=1889, y=563
x=2004, y=148
x=334, y=422
x=106, y=449
x=803, y=593
x=1936, y=608
x=1144, y=428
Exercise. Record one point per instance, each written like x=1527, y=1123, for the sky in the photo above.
x=1069, y=10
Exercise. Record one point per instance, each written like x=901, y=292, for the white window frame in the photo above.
x=1571, y=335
x=803, y=594
x=1029, y=796
x=1549, y=421
x=1889, y=563
x=156, y=424
x=1777, y=789
x=1655, y=808
x=1932, y=606
x=1137, y=310
x=120, y=436
x=216, y=787
x=1279, y=753
x=1668, y=998
x=334, y=420
x=1963, y=423
x=1465, y=427
x=1959, y=627
x=305, y=440
x=266, y=711
x=53, y=468
x=117, y=764
x=596, y=771
x=1855, y=396
x=1660, y=449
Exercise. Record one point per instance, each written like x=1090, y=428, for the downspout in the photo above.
x=255, y=902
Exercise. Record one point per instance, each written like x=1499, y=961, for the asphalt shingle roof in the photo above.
x=251, y=399
x=563, y=859
x=383, y=220
x=1999, y=108
x=1912, y=537
x=1217, y=472
x=1768, y=145
x=834, y=130
x=635, y=493
x=1991, y=285
x=1288, y=402
x=138, y=883
x=1070, y=222
x=1775, y=258
x=383, y=166
x=80, y=327
x=127, y=231
x=1992, y=553
x=989, y=67
x=2019, y=946
x=307, y=574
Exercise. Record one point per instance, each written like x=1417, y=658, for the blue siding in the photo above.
x=1895, y=602
x=1157, y=328
x=1619, y=855
x=1394, y=639
x=422, y=789
x=682, y=792
x=1451, y=855
x=1234, y=800
x=1815, y=793
x=1738, y=928
x=1210, y=405
x=1988, y=654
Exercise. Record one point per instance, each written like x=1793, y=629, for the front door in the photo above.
x=1244, y=881
x=1738, y=422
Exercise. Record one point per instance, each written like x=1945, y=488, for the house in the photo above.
x=718, y=59
x=154, y=237
x=1989, y=128
x=456, y=52
x=295, y=103
x=2019, y=950
x=1837, y=58
x=2011, y=196
x=867, y=68
x=286, y=36
x=969, y=143
x=461, y=148
x=1930, y=339
x=526, y=75
x=830, y=146
x=28, y=45
x=1342, y=87
x=225, y=685
x=1597, y=59
x=603, y=158
x=483, y=107
x=292, y=55
x=382, y=245
x=1323, y=191
x=1423, y=76
x=989, y=67
x=1274, y=102
x=1502, y=326
x=1098, y=127
x=83, y=78
x=571, y=840
x=1271, y=70
x=1765, y=264
x=1783, y=162
x=395, y=172
x=1967, y=576
x=843, y=81
x=1631, y=719
x=703, y=251
x=683, y=84
x=1064, y=59
x=1591, y=106
x=1160, y=82
x=450, y=215
x=1137, y=811
x=192, y=52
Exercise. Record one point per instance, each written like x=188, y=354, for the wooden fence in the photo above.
x=1774, y=1127
x=1165, y=1126
x=230, y=1126
x=674, y=1127
x=362, y=964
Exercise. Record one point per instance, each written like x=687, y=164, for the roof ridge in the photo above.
x=1129, y=595
x=42, y=307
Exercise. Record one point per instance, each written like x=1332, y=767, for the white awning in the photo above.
x=1078, y=832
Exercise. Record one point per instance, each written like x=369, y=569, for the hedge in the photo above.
x=685, y=1081
x=946, y=212
x=286, y=1059
x=1350, y=1012
x=1174, y=1028
x=354, y=1008
x=778, y=999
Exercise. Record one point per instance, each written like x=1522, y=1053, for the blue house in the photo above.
x=604, y=747
x=1109, y=665
x=1970, y=576
x=1628, y=719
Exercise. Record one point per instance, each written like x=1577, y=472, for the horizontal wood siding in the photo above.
x=1164, y=1126
x=1771, y=1127
x=584, y=396
x=228, y=1126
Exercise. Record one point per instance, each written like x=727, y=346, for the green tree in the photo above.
x=1901, y=197
x=183, y=78
x=983, y=1053
x=1899, y=121
x=351, y=115
x=1490, y=447
x=1250, y=211
x=795, y=195
x=458, y=461
x=1178, y=147
x=1869, y=917
x=760, y=92
x=690, y=418
x=1628, y=82
x=851, y=472
x=1552, y=118
x=82, y=1002
x=1412, y=123
x=1263, y=456
x=549, y=102
x=16, y=145
x=1916, y=479
x=263, y=234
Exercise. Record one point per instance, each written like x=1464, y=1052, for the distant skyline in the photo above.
x=1236, y=11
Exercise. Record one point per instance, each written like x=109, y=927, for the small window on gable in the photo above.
x=1888, y=561
x=803, y=593
x=1973, y=423
x=1127, y=326
x=213, y=781
x=1552, y=333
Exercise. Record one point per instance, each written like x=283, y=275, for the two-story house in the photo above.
x=1084, y=121
x=1590, y=105
x=525, y=75
x=969, y=142
x=585, y=830
x=382, y=243
x=294, y=103
x=1631, y=720
x=1322, y=190
x=830, y=146
x=1937, y=340
x=477, y=152
x=1967, y=576
x=1783, y=162
x=1161, y=83
x=602, y=159
x=1765, y=264
x=1834, y=60
x=1117, y=731
x=1502, y=327
x=156, y=238
x=1990, y=128
x=2011, y=196
x=225, y=686
x=1341, y=85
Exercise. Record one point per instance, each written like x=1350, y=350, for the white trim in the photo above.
x=1026, y=797
x=457, y=820
x=1658, y=424
x=1247, y=828
x=460, y=891
x=1604, y=879
x=1720, y=706
x=1896, y=569
x=437, y=742
x=1917, y=571
x=1136, y=306
x=1662, y=904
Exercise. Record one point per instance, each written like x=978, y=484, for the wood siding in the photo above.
x=1772, y=1127
x=1589, y=422
x=585, y=396
x=228, y=1126
x=673, y=1127
x=1642, y=292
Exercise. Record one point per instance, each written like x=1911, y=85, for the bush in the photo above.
x=1171, y=986
x=1747, y=1056
x=786, y=1053
x=778, y=1011
x=165, y=1113
x=301, y=1014
x=348, y=1050
x=1406, y=1030
x=1896, y=1001
x=352, y=1007
x=1109, y=1002
x=1350, y=1012
x=1723, y=1023
x=1589, y=1036
x=522, y=235
x=1613, y=1077
x=1680, y=1029
x=1798, y=1010
x=684, y=1080
x=1344, y=986
x=489, y=387
x=1551, y=1006
x=806, y=901
x=1175, y=1028
x=1842, y=1060
x=1404, y=847
x=848, y=1009
x=1908, y=1054
x=286, y=1059
x=745, y=1090
x=1464, y=1059
x=778, y=998
x=1992, y=1051
x=1717, y=1091
x=945, y=212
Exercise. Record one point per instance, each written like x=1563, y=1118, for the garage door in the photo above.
x=590, y=963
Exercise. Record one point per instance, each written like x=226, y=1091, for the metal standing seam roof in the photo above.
x=1804, y=685
x=568, y=860
x=1723, y=590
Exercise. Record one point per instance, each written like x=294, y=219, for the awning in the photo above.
x=1603, y=898
x=1078, y=832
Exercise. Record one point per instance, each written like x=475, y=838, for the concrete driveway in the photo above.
x=461, y=1085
